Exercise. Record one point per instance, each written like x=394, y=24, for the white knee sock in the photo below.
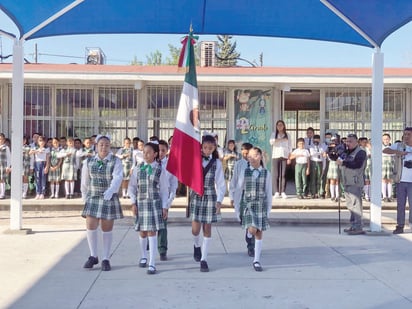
x=2, y=188
x=107, y=244
x=337, y=191
x=92, y=241
x=383, y=186
x=332, y=190
x=152, y=250
x=52, y=189
x=196, y=240
x=389, y=187
x=67, y=187
x=124, y=192
x=25, y=187
x=56, y=194
x=258, y=250
x=71, y=187
x=205, y=248
x=366, y=191
x=143, y=245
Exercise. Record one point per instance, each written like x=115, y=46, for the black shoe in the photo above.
x=197, y=253
x=257, y=266
x=106, y=265
x=163, y=256
x=251, y=252
x=348, y=229
x=91, y=262
x=398, y=230
x=151, y=270
x=356, y=231
x=203, y=267
x=143, y=262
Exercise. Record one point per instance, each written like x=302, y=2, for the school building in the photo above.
x=241, y=103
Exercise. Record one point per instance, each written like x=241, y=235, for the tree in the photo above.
x=154, y=58
x=174, y=55
x=227, y=55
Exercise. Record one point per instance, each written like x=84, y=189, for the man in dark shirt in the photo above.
x=352, y=163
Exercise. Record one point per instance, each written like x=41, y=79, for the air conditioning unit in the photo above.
x=94, y=55
x=208, y=51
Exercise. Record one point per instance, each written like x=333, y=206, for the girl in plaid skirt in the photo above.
x=387, y=169
x=101, y=180
x=69, y=167
x=206, y=209
x=54, y=171
x=256, y=191
x=148, y=190
x=5, y=164
x=126, y=155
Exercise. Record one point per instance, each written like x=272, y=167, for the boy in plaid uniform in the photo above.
x=204, y=210
x=173, y=183
x=148, y=190
x=101, y=180
x=256, y=191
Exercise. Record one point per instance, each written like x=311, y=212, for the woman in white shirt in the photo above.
x=281, y=149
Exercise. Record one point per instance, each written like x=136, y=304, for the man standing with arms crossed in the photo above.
x=403, y=177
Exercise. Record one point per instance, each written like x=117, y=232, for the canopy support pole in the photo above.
x=376, y=136
x=17, y=136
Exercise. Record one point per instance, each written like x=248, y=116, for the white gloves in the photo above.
x=108, y=194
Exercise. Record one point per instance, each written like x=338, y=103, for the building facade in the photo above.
x=237, y=103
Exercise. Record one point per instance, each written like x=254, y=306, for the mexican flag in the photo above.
x=185, y=160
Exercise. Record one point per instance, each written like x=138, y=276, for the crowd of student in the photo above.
x=52, y=166
x=316, y=171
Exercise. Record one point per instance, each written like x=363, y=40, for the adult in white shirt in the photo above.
x=281, y=149
x=403, y=177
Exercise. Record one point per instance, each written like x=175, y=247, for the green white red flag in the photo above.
x=185, y=159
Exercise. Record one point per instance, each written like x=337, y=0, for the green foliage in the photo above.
x=155, y=58
x=227, y=55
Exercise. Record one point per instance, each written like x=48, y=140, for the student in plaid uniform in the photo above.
x=5, y=164
x=69, y=167
x=148, y=190
x=256, y=191
x=236, y=195
x=365, y=145
x=173, y=183
x=387, y=169
x=230, y=157
x=101, y=180
x=126, y=155
x=54, y=171
x=28, y=164
x=205, y=210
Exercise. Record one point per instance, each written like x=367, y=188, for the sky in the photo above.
x=277, y=52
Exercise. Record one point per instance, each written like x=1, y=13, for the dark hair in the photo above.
x=260, y=152
x=247, y=146
x=164, y=143
x=408, y=129
x=352, y=135
x=136, y=139
x=155, y=148
x=232, y=141
x=277, y=131
x=300, y=139
x=211, y=139
x=316, y=136
x=154, y=138
x=310, y=129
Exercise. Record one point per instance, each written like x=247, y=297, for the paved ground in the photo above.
x=306, y=265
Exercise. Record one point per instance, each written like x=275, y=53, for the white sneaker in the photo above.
x=284, y=195
x=277, y=195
